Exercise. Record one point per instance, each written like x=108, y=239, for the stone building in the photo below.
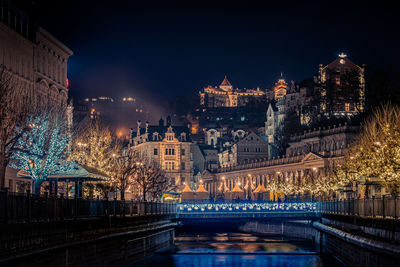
x=284, y=100
x=342, y=88
x=310, y=153
x=167, y=146
x=263, y=172
x=323, y=141
x=248, y=148
x=37, y=62
x=35, y=57
x=226, y=96
x=204, y=157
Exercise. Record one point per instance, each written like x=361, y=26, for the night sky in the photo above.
x=133, y=48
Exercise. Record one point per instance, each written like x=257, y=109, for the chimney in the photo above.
x=130, y=136
x=161, y=122
x=139, y=122
x=168, y=121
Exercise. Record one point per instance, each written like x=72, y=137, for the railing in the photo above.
x=21, y=207
x=247, y=207
x=384, y=207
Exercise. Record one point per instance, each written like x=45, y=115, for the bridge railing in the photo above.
x=253, y=207
x=383, y=207
x=22, y=207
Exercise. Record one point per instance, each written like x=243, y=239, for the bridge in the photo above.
x=266, y=210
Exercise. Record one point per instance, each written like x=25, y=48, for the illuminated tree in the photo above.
x=273, y=187
x=15, y=103
x=376, y=153
x=94, y=147
x=287, y=187
x=42, y=150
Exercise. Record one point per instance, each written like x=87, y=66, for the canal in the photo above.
x=196, y=249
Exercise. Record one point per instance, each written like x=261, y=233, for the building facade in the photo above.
x=342, y=88
x=323, y=141
x=249, y=147
x=167, y=146
x=226, y=96
x=34, y=57
x=37, y=62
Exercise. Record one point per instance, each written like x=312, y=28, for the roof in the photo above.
x=201, y=189
x=236, y=189
x=260, y=189
x=161, y=130
x=187, y=189
x=77, y=171
x=225, y=82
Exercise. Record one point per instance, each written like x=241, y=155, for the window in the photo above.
x=169, y=151
x=183, y=152
x=347, y=107
x=337, y=80
x=155, y=151
x=182, y=165
x=169, y=165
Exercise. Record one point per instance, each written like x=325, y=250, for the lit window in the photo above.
x=337, y=80
x=347, y=107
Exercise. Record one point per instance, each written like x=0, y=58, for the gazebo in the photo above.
x=202, y=194
x=76, y=175
x=259, y=193
x=237, y=193
x=187, y=194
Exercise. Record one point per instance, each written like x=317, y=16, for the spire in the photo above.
x=225, y=82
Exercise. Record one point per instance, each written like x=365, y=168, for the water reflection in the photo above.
x=238, y=249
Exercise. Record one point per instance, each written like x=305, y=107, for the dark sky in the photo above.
x=177, y=48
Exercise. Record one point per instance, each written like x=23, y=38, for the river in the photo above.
x=238, y=249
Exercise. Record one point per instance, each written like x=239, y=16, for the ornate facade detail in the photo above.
x=165, y=145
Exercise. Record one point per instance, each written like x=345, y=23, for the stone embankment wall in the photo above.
x=108, y=241
x=354, y=241
x=298, y=229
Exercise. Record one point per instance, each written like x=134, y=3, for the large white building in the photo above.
x=36, y=61
x=167, y=146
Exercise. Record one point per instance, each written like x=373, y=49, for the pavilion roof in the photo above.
x=201, y=189
x=236, y=188
x=76, y=172
x=187, y=189
x=260, y=189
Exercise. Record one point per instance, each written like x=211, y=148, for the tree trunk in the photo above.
x=122, y=193
x=3, y=165
x=144, y=194
x=38, y=184
x=2, y=174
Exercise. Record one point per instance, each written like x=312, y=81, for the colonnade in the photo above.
x=249, y=179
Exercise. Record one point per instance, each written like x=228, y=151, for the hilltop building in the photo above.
x=341, y=88
x=226, y=96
